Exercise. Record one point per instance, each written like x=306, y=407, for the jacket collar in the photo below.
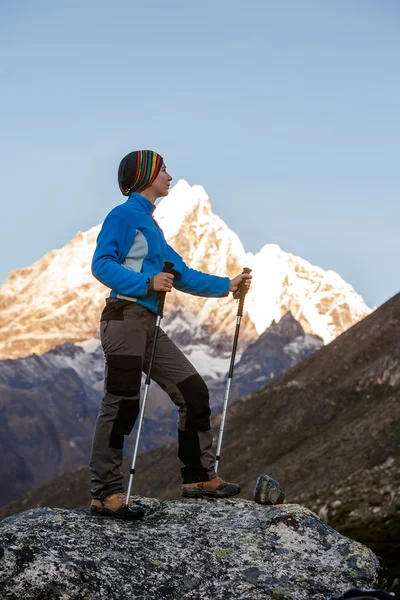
x=141, y=202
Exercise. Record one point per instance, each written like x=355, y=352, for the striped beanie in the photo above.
x=138, y=170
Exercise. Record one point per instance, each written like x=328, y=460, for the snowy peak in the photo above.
x=287, y=326
x=57, y=300
x=182, y=202
x=204, y=240
x=320, y=300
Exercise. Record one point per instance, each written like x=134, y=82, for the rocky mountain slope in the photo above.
x=57, y=300
x=365, y=506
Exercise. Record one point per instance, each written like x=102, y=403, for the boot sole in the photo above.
x=226, y=492
x=116, y=514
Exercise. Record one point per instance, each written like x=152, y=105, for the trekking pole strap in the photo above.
x=167, y=268
x=242, y=293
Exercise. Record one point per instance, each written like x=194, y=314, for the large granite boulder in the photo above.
x=194, y=549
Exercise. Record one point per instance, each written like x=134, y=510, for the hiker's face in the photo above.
x=162, y=182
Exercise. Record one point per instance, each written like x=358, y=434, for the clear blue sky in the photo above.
x=286, y=112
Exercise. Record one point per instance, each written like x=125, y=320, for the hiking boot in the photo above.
x=114, y=506
x=214, y=488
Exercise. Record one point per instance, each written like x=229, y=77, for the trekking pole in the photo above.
x=240, y=295
x=166, y=269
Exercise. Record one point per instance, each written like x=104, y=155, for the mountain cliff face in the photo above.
x=57, y=300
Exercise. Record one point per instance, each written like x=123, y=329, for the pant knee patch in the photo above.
x=124, y=375
x=126, y=417
x=195, y=393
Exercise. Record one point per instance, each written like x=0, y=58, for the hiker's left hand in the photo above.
x=235, y=283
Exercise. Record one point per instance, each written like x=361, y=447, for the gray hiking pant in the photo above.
x=126, y=333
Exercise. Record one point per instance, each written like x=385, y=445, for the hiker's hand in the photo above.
x=235, y=283
x=162, y=282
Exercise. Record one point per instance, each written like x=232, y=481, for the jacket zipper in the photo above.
x=159, y=241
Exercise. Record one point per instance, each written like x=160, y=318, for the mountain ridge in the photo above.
x=57, y=300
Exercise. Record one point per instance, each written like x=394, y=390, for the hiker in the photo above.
x=130, y=254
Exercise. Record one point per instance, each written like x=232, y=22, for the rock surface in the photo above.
x=182, y=549
x=366, y=506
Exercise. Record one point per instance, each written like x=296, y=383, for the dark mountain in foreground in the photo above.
x=333, y=416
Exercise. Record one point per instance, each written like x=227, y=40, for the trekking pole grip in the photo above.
x=242, y=293
x=167, y=268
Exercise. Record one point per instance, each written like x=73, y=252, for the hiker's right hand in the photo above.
x=162, y=282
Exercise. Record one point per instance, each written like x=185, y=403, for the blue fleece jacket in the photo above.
x=131, y=248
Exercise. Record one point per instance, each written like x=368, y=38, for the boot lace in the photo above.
x=121, y=498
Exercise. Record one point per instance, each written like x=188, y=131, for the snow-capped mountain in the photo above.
x=57, y=300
